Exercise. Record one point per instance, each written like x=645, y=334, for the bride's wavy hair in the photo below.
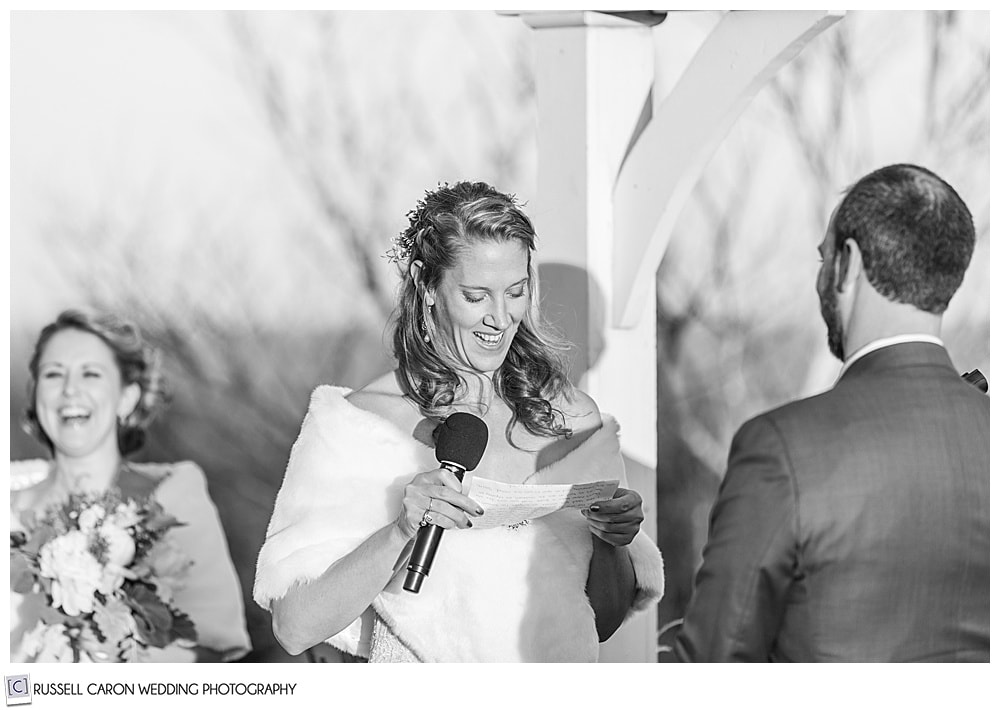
x=534, y=372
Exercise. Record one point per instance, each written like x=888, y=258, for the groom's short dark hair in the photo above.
x=915, y=234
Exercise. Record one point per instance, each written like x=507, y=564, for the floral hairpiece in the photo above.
x=401, y=246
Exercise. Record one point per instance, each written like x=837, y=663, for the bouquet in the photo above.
x=102, y=574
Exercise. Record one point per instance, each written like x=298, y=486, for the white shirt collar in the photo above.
x=886, y=342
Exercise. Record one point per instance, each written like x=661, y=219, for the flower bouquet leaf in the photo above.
x=95, y=561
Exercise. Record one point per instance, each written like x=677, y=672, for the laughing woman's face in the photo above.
x=481, y=301
x=79, y=394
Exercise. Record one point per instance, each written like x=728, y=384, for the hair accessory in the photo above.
x=400, y=248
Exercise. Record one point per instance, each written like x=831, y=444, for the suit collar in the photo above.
x=896, y=356
x=886, y=342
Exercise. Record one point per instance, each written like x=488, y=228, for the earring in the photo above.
x=423, y=321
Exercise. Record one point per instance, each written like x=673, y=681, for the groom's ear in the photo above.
x=849, y=265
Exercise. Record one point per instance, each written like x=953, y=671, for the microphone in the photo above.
x=461, y=441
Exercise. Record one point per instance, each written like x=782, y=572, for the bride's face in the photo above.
x=481, y=301
x=79, y=395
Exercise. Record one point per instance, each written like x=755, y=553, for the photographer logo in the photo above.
x=18, y=689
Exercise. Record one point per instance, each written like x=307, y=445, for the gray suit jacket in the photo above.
x=854, y=525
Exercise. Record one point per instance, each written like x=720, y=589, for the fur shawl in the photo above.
x=506, y=594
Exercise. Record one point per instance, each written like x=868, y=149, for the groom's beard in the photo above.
x=831, y=316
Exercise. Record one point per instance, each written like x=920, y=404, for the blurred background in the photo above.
x=230, y=180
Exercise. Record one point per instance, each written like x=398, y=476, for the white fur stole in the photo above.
x=493, y=595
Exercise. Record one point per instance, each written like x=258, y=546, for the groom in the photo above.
x=854, y=525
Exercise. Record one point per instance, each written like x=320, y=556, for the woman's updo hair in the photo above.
x=138, y=363
x=533, y=374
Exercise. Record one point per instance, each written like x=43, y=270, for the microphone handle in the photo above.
x=425, y=546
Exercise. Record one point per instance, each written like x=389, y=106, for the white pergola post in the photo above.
x=614, y=171
x=593, y=76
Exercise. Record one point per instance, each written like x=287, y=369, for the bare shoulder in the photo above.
x=383, y=397
x=582, y=412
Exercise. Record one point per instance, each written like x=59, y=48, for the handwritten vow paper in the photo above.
x=511, y=503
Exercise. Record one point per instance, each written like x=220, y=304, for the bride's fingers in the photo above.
x=625, y=502
x=441, y=477
x=613, y=527
x=438, y=477
x=445, y=515
x=436, y=494
x=443, y=521
x=456, y=499
x=416, y=504
x=613, y=520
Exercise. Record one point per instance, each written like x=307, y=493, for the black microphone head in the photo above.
x=461, y=440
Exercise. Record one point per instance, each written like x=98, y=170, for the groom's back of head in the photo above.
x=915, y=233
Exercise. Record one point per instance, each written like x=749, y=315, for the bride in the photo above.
x=362, y=479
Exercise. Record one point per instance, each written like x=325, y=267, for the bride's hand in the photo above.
x=438, y=495
x=617, y=520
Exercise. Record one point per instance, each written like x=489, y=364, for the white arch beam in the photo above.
x=740, y=55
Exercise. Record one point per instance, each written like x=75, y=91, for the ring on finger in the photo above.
x=426, y=519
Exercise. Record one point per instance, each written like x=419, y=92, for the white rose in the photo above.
x=55, y=646
x=76, y=573
x=126, y=515
x=120, y=545
x=90, y=518
x=45, y=643
x=120, y=553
